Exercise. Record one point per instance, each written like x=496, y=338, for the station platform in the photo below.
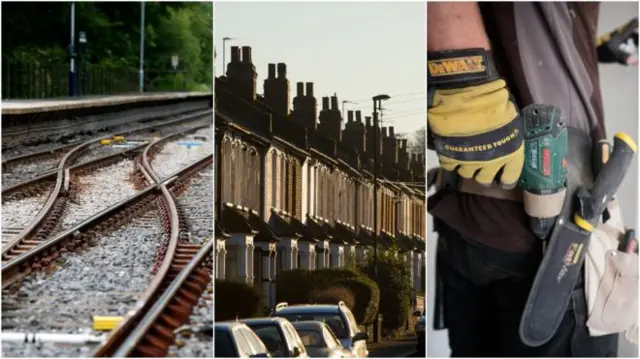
x=20, y=107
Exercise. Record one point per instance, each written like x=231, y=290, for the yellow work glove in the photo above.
x=475, y=126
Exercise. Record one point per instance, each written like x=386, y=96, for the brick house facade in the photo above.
x=294, y=188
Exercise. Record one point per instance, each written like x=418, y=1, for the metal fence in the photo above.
x=34, y=80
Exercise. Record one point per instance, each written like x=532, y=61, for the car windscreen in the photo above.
x=333, y=320
x=224, y=345
x=272, y=339
x=311, y=338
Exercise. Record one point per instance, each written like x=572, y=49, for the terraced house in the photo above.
x=295, y=187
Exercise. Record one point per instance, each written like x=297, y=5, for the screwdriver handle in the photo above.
x=601, y=154
x=606, y=183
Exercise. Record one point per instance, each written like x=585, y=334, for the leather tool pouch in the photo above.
x=611, y=280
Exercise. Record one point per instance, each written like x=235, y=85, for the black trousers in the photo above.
x=484, y=293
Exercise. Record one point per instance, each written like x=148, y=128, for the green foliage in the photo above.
x=393, y=274
x=237, y=300
x=334, y=294
x=38, y=36
x=300, y=286
x=295, y=286
x=367, y=298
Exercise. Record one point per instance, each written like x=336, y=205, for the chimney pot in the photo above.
x=300, y=89
x=310, y=89
x=246, y=54
x=413, y=157
x=282, y=71
x=359, y=116
x=334, y=102
x=404, y=143
x=350, y=115
x=384, y=132
x=272, y=71
x=368, y=120
x=325, y=103
x=235, y=54
x=391, y=132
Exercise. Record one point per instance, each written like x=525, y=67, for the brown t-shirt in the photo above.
x=546, y=52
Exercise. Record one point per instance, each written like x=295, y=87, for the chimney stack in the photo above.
x=305, y=106
x=384, y=132
x=358, y=116
x=272, y=71
x=325, y=103
x=241, y=73
x=350, y=116
x=246, y=54
x=391, y=132
x=299, y=89
x=310, y=89
x=282, y=71
x=368, y=120
x=235, y=54
x=276, y=90
x=334, y=102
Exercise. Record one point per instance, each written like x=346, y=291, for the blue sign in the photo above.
x=189, y=144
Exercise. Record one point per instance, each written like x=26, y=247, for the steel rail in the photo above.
x=17, y=268
x=129, y=325
x=187, y=117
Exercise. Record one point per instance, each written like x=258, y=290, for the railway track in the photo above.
x=182, y=272
x=52, y=254
x=20, y=169
x=60, y=188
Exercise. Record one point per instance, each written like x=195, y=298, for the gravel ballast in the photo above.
x=104, y=280
x=177, y=154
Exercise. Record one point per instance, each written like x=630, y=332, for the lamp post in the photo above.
x=377, y=104
x=72, y=53
x=82, y=41
x=224, y=52
x=141, y=85
x=346, y=101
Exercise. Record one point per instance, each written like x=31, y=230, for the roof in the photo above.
x=309, y=324
x=308, y=308
x=228, y=325
x=263, y=320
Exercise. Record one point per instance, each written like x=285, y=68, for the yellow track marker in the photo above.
x=105, y=323
x=118, y=138
x=105, y=142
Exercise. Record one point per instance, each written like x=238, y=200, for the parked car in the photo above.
x=337, y=316
x=237, y=340
x=420, y=333
x=279, y=336
x=320, y=341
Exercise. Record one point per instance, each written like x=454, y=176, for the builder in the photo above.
x=544, y=53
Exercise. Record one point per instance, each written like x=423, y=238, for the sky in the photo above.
x=356, y=50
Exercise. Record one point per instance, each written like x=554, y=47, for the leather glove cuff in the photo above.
x=453, y=69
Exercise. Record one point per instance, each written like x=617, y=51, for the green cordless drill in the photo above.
x=544, y=174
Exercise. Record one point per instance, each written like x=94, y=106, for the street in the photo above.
x=404, y=347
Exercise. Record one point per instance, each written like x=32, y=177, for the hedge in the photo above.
x=300, y=286
x=395, y=300
x=334, y=294
x=237, y=300
x=295, y=286
x=367, y=298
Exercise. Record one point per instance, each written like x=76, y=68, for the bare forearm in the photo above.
x=454, y=26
